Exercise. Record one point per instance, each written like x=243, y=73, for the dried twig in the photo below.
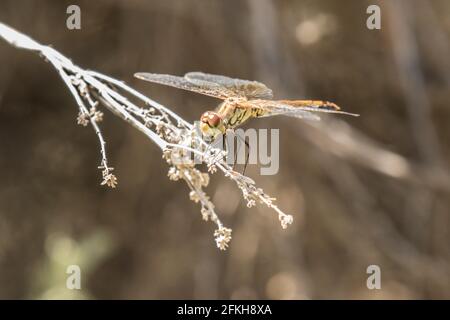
x=177, y=138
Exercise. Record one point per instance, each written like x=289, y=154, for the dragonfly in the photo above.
x=241, y=101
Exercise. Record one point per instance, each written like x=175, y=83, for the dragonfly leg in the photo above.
x=226, y=145
x=227, y=148
x=224, y=141
x=235, y=155
x=236, y=152
x=247, y=156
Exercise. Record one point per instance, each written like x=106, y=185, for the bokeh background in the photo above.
x=363, y=191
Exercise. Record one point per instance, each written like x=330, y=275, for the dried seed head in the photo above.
x=83, y=119
x=194, y=196
x=285, y=219
x=222, y=237
x=110, y=180
x=205, y=213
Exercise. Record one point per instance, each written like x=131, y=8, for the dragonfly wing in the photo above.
x=242, y=88
x=194, y=85
x=301, y=114
x=305, y=109
x=315, y=106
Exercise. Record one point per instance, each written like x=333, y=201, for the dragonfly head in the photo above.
x=211, y=125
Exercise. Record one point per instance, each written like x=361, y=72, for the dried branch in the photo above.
x=182, y=145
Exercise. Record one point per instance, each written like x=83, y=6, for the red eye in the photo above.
x=211, y=118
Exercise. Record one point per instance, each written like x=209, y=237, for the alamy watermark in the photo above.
x=373, y=22
x=73, y=281
x=374, y=280
x=245, y=147
x=73, y=21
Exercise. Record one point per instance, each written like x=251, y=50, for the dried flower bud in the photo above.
x=222, y=237
x=285, y=219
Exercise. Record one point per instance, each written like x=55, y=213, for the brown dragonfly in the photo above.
x=242, y=100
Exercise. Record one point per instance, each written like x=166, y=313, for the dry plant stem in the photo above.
x=177, y=138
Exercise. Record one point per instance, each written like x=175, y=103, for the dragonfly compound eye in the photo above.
x=211, y=118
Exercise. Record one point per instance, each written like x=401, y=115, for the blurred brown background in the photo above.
x=363, y=191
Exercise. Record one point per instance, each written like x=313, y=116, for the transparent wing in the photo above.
x=195, y=85
x=299, y=113
x=242, y=88
x=314, y=106
x=297, y=108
